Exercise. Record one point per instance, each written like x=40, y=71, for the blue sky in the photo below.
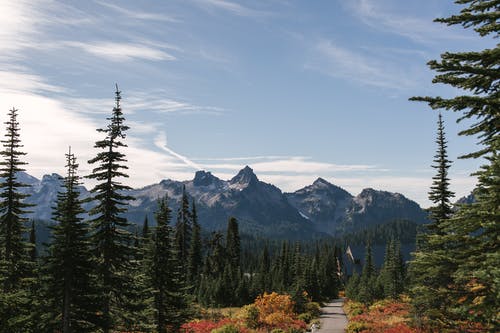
x=295, y=89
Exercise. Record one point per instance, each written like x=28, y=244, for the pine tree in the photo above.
x=111, y=240
x=233, y=249
x=367, y=283
x=145, y=228
x=162, y=267
x=183, y=227
x=12, y=208
x=432, y=266
x=33, y=253
x=472, y=234
x=16, y=268
x=440, y=193
x=195, y=258
x=392, y=274
x=70, y=295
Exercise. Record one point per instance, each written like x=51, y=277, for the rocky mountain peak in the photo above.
x=52, y=178
x=244, y=177
x=204, y=178
x=321, y=182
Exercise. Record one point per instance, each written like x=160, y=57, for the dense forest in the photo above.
x=97, y=275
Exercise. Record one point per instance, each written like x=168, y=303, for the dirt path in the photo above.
x=333, y=319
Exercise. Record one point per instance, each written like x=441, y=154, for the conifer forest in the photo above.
x=99, y=271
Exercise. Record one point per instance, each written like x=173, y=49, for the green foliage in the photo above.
x=165, y=274
x=404, y=230
x=16, y=266
x=195, y=256
x=393, y=273
x=250, y=315
x=356, y=327
x=306, y=317
x=183, y=227
x=314, y=308
x=465, y=247
x=69, y=295
x=13, y=258
x=110, y=239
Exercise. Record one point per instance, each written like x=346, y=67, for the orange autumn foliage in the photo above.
x=276, y=310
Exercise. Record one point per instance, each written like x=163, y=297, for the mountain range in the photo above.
x=262, y=209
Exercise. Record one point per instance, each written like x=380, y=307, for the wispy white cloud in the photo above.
x=422, y=30
x=161, y=142
x=18, y=79
x=158, y=100
x=231, y=7
x=359, y=66
x=249, y=158
x=286, y=164
x=121, y=52
x=138, y=14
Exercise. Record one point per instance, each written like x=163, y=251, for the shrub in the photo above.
x=314, y=309
x=306, y=317
x=356, y=327
x=250, y=315
x=228, y=328
x=277, y=330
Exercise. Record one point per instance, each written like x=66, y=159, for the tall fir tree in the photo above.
x=145, y=228
x=111, y=239
x=164, y=272
x=472, y=234
x=432, y=266
x=233, y=248
x=16, y=268
x=367, y=282
x=183, y=227
x=70, y=294
x=195, y=256
x=13, y=256
x=440, y=194
x=392, y=274
x=33, y=252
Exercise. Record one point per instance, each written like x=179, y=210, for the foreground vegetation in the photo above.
x=270, y=312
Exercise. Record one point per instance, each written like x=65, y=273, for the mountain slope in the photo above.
x=335, y=211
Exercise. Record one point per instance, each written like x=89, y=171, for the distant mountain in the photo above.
x=262, y=209
x=323, y=203
x=335, y=211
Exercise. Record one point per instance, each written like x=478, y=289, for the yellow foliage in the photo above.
x=275, y=308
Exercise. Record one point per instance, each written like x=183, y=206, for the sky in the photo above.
x=295, y=89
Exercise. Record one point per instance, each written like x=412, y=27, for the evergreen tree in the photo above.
x=33, y=253
x=145, y=228
x=183, y=227
x=16, y=268
x=13, y=257
x=111, y=240
x=352, y=287
x=165, y=274
x=233, y=249
x=367, y=283
x=471, y=239
x=432, y=266
x=70, y=293
x=392, y=274
x=195, y=258
x=440, y=193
